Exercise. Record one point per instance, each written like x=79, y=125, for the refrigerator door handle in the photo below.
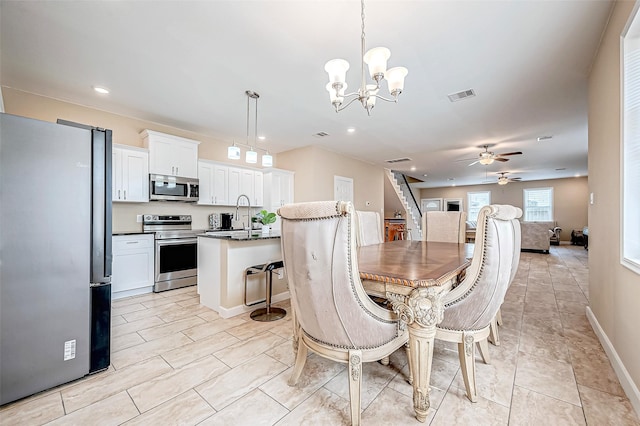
x=101, y=255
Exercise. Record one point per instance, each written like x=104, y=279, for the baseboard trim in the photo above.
x=626, y=381
x=241, y=309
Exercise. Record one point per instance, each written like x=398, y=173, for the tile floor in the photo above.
x=176, y=362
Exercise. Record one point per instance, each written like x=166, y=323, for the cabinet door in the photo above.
x=185, y=159
x=258, y=188
x=135, y=176
x=286, y=189
x=205, y=176
x=161, y=154
x=220, y=185
x=132, y=262
x=246, y=186
x=235, y=176
x=116, y=174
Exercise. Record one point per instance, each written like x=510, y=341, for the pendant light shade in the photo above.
x=267, y=160
x=233, y=152
x=251, y=156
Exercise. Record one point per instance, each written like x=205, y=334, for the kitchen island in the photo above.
x=222, y=260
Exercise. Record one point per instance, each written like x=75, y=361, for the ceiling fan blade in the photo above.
x=501, y=159
x=510, y=153
x=477, y=161
x=464, y=159
x=515, y=179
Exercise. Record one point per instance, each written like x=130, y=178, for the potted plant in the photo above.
x=265, y=218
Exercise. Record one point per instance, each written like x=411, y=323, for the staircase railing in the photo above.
x=412, y=205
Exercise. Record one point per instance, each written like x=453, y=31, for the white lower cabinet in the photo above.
x=132, y=271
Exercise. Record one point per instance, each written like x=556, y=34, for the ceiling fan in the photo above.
x=487, y=157
x=503, y=180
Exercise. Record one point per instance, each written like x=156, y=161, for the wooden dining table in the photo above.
x=414, y=276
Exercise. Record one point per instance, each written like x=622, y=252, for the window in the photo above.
x=631, y=144
x=538, y=205
x=476, y=201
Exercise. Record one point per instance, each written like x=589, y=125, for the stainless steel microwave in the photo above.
x=173, y=188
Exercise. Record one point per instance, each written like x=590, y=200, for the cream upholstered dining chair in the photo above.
x=332, y=314
x=473, y=304
x=369, y=228
x=444, y=227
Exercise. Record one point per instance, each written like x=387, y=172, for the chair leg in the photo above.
x=493, y=332
x=385, y=360
x=483, y=348
x=466, y=353
x=499, y=318
x=301, y=359
x=355, y=380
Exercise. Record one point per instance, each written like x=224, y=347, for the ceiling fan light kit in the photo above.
x=376, y=59
x=251, y=156
x=487, y=157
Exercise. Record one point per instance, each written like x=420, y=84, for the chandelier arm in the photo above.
x=340, y=108
x=395, y=100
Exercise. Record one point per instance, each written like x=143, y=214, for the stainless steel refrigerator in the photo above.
x=55, y=254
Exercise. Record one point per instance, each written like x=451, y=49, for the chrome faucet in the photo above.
x=248, y=211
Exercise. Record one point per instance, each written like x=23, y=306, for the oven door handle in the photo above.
x=176, y=241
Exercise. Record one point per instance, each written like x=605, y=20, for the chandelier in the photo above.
x=251, y=156
x=367, y=94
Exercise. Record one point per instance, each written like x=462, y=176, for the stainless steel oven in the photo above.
x=176, y=251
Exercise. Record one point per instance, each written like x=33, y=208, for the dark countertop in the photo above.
x=240, y=235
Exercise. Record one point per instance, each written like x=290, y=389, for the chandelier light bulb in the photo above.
x=337, y=70
x=395, y=79
x=377, y=58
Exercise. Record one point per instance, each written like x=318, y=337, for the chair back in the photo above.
x=369, y=228
x=320, y=260
x=444, y=227
x=476, y=300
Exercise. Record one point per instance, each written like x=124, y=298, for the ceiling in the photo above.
x=188, y=64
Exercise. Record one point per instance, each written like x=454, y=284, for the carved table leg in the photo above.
x=421, y=311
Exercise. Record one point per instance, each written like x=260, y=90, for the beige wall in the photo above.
x=614, y=291
x=316, y=167
x=570, y=198
x=125, y=132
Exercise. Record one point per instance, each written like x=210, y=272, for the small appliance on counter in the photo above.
x=214, y=221
x=225, y=221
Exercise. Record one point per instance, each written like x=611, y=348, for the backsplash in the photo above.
x=124, y=214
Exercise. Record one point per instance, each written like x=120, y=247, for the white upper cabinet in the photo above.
x=221, y=184
x=278, y=191
x=130, y=174
x=214, y=183
x=171, y=155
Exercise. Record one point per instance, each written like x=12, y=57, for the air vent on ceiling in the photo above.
x=544, y=138
x=321, y=134
x=461, y=95
x=398, y=160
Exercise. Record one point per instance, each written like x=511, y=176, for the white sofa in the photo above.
x=536, y=235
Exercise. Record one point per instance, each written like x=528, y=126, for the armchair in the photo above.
x=333, y=316
x=472, y=306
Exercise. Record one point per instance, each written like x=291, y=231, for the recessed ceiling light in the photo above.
x=262, y=137
x=424, y=175
x=413, y=169
x=577, y=174
x=351, y=130
x=101, y=90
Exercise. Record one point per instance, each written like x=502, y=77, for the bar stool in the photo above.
x=268, y=313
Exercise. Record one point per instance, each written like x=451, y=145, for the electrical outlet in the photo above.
x=139, y=218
